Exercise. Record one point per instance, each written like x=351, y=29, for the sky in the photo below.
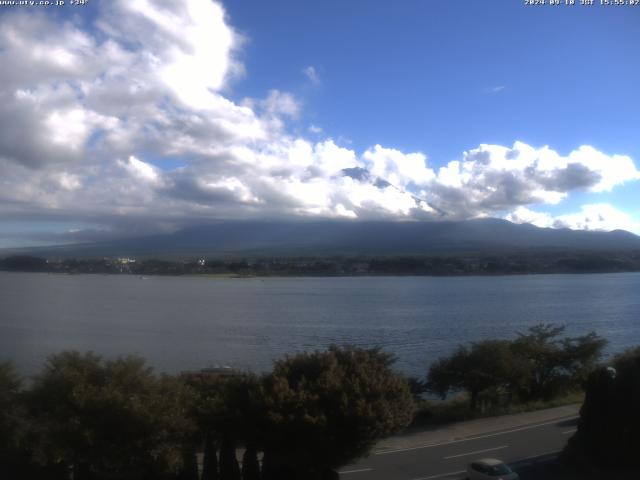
x=129, y=117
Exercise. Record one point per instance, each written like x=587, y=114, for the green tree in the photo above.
x=553, y=364
x=109, y=418
x=13, y=425
x=325, y=409
x=538, y=364
x=229, y=413
x=483, y=366
x=9, y=390
x=609, y=418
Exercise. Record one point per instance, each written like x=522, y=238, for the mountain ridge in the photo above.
x=336, y=237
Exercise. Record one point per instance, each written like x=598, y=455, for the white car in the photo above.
x=490, y=468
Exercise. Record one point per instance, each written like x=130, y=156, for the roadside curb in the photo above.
x=462, y=431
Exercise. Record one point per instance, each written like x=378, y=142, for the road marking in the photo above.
x=429, y=445
x=356, y=471
x=477, y=451
x=441, y=475
x=518, y=462
x=570, y=431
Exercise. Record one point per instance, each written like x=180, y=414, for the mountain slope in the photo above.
x=329, y=237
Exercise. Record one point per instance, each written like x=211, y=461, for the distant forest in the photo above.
x=436, y=265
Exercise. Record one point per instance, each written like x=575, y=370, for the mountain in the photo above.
x=334, y=237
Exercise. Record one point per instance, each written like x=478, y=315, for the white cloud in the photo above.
x=312, y=74
x=189, y=43
x=494, y=89
x=281, y=103
x=36, y=49
x=599, y=216
x=596, y=217
x=400, y=169
x=69, y=181
x=493, y=178
x=105, y=106
x=141, y=170
x=525, y=215
x=70, y=128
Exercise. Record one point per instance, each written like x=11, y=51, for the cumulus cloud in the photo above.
x=494, y=178
x=277, y=107
x=400, y=169
x=595, y=217
x=188, y=44
x=526, y=215
x=91, y=126
x=141, y=170
x=598, y=217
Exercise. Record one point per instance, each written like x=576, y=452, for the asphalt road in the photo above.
x=448, y=460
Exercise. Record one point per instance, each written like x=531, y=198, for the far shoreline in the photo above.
x=458, y=264
x=229, y=276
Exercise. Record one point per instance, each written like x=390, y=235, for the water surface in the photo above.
x=181, y=323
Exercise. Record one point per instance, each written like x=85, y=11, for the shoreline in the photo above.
x=233, y=276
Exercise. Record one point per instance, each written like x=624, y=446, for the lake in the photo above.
x=181, y=323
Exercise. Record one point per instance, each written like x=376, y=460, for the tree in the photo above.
x=485, y=365
x=609, y=418
x=554, y=364
x=228, y=412
x=581, y=356
x=324, y=409
x=417, y=387
x=209, y=458
x=229, y=468
x=24, y=263
x=250, y=464
x=538, y=364
x=13, y=455
x=109, y=418
x=189, y=467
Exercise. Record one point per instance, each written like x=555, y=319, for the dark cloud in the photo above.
x=575, y=176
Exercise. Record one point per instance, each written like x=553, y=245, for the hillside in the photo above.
x=350, y=238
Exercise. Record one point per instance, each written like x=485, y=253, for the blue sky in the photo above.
x=442, y=77
x=183, y=114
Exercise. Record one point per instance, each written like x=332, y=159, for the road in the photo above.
x=448, y=459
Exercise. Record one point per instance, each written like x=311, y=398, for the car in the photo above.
x=490, y=468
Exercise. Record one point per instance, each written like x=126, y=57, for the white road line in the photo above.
x=356, y=471
x=429, y=445
x=518, y=462
x=441, y=475
x=570, y=431
x=477, y=451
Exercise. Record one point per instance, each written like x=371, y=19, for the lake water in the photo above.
x=181, y=323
